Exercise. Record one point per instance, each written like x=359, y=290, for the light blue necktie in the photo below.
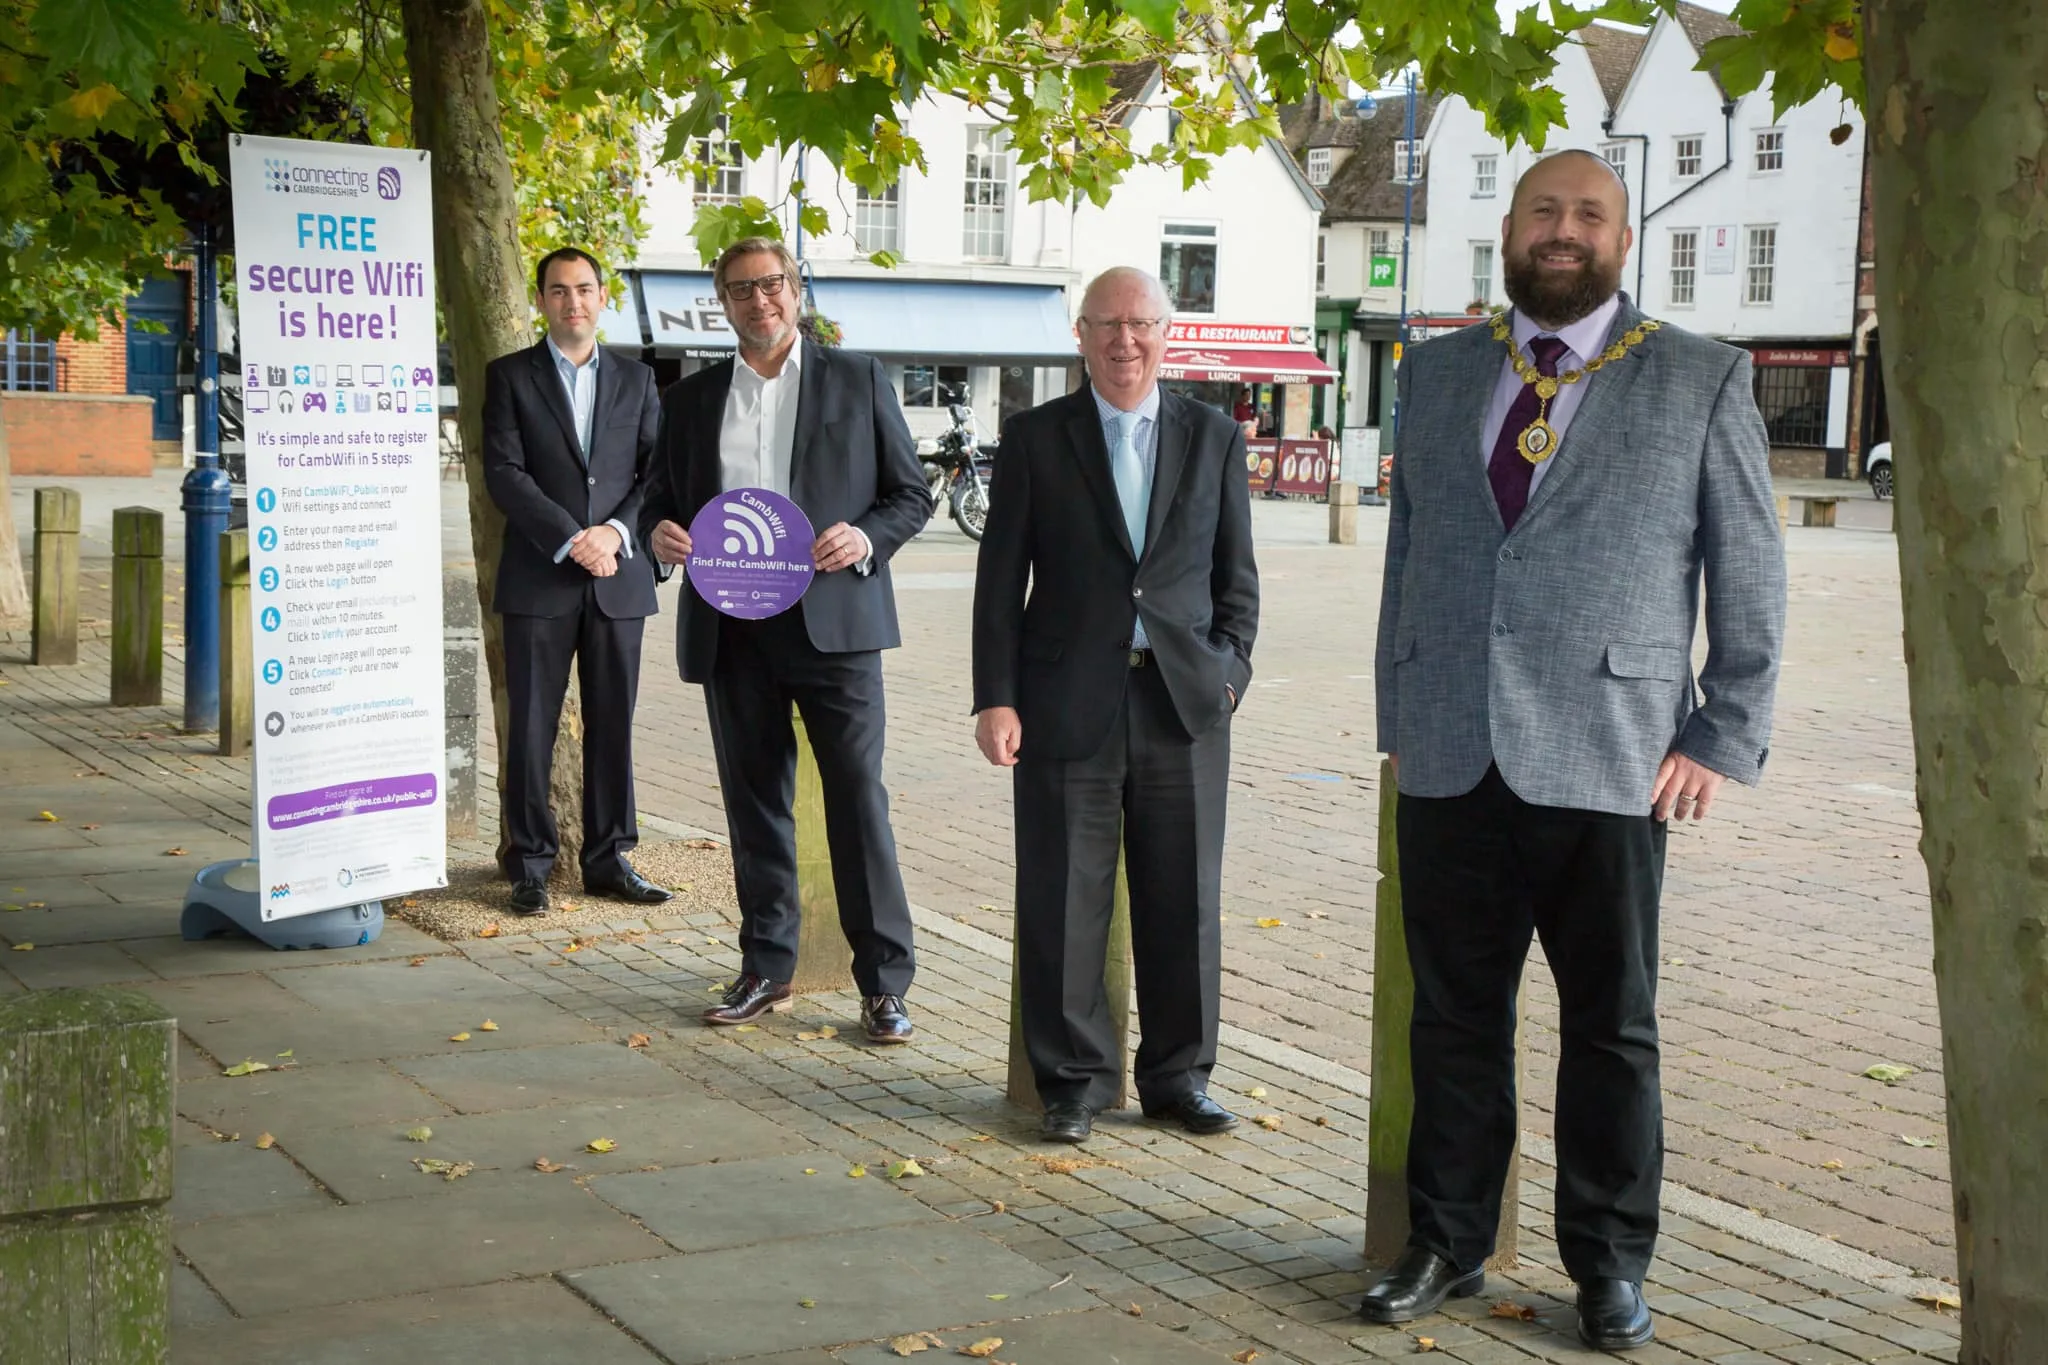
x=1129, y=471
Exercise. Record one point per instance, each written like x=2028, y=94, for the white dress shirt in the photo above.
x=1146, y=438
x=1583, y=340
x=757, y=438
x=580, y=383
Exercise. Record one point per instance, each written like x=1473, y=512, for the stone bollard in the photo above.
x=1343, y=513
x=461, y=645
x=137, y=678
x=1392, y=1107
x=237, y=647
x=824, y=962
x=1022, y=1088
x=55, y=617
x=86, y=1093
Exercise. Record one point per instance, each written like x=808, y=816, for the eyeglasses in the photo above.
x=1139, y=328
x=742, y=290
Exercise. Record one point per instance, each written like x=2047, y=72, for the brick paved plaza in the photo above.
x=1800, y=1218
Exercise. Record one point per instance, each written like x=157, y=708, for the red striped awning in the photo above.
x=1226, y=364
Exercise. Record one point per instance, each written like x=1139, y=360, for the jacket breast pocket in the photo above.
x=1663, y=662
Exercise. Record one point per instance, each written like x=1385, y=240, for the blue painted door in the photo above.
x=153, y=356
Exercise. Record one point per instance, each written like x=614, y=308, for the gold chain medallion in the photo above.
x=1539, y=440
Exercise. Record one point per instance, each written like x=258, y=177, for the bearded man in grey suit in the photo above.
x=1567, y=479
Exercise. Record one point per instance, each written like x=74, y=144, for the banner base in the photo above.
x=227, y=898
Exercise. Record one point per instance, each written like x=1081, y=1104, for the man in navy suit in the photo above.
x=568, y=432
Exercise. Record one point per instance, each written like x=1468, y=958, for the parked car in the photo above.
x=1877, y=467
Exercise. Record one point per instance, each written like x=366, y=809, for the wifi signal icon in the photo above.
x=748, y=534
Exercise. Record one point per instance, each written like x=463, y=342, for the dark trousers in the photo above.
x=1478, y=873
x=538, y=651
x=763, y=667
x=1160, y=795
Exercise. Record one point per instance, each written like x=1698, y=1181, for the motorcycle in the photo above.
x=957, y=472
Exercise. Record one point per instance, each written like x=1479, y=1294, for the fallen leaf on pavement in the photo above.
x=447, y=1170
x=487, y=1027
x=1246, y=1356
x=813, y=1035
x=1066, y=1165
x=1425, y=1343
x=1888, y=1072
x=546, y=1167
x=747, y=1028
x=700, y=843
x=91, y=826
x=1318, y=914
x=489, y=931
x=458, y=1037
x=810, y=1170
x=47, y=818
x=602, y=1145
x=989, y=908
x=174, y=853
x=287, y=1053
x=1831, y=1165
x=1912, y=1141
x=265, y=1142
x=408, y=903
x=856, y=1171
x=29, y=948
x=420, y=1134
x=986, y=1347
x=997, y=1298
x=246, y=1068
x=1134, y=1310
x=638, y=1040
x=1941, y=1300
x=1508, y=1308
x=417, y=962
x=807, y=1303
x=38, y=905
x=1269, y=1122
x=903, y=1170
x=573, y=946
x=910, y=1345
x=1268, y=922
x=1257, y=1092
x=218, y=1136
x=982, y=1137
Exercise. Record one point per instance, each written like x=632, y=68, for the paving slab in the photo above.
x=286, y=1262
x=1103, y=1336
x=217, y=1179
x=375, y=1162
x=745, y=1203
x=100, y=919
x=365, y=1032
x=862, y=1286
x=108, y=863
x=482, y=1082
x=525, y=1322
x=54, y=964
x=391, y=984
x=192, y=1303
x=174, y=957
x=286, y=1103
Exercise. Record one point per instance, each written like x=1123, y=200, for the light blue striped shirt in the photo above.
x=1146, y=437
x=580, y=383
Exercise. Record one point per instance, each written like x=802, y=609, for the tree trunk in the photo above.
x=485, y=309
x=14, y=608
x=1960, y=195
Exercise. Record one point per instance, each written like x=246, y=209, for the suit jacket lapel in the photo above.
x=707, y=464
x=1605, y=390
x=550, y=380
x=1091, y=452
x=810, y=408
x=1170, y=457
x=1478, y=371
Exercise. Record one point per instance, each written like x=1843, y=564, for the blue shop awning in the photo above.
x=619, y=323
x=958, y=321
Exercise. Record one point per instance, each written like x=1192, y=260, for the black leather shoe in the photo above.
x=1613, y=1316
x=748, y=999
x=1197, y=1113
x=631, y=887
x=1070, y=1122
x=1417, y=1286
x=885, y=1020
x=530, y=896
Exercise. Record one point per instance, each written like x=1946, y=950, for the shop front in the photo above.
x=1261, y=373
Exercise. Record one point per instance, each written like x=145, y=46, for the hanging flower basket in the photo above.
x=820, y=329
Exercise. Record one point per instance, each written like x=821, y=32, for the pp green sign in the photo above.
x=1385, y=272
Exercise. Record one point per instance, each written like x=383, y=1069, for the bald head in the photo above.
x=1582, y=159
x=1122, y=280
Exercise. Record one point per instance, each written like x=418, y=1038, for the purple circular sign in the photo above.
x=750, y=553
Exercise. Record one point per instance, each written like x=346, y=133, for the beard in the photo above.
x=1560, y=299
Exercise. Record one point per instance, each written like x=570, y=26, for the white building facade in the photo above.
x=987, y=285
x=1746, y=225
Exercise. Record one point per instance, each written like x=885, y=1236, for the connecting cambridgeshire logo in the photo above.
x=277, y=174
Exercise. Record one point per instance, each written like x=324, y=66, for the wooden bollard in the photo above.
x=55, y=614
x=1392, y=1108
x=86, y=1092
x=137, y=676
x=237, y=644
x=1022, y=1088
x=824, y=962
x=1343, y=513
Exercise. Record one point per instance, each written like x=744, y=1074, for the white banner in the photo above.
x=334, y=256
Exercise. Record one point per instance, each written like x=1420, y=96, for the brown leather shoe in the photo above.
x=885, y=1020
x=750, y=997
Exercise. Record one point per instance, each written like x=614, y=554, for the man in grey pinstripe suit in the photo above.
x=1566, y=483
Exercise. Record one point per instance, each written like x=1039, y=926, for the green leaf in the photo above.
x=899, y=20
x=122, y=40
x=1156, y=15
x=888, y=260
x=1889, y=1073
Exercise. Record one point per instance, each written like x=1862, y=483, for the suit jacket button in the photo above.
x=592, y=481
x=1137, y=592
x=1499, y=630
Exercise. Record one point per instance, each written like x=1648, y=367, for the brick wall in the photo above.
x=69, y=434
x=98, y=366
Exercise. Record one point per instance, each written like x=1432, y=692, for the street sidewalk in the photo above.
x=728, y=1224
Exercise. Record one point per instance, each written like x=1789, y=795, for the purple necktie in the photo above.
x=1508, y=471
